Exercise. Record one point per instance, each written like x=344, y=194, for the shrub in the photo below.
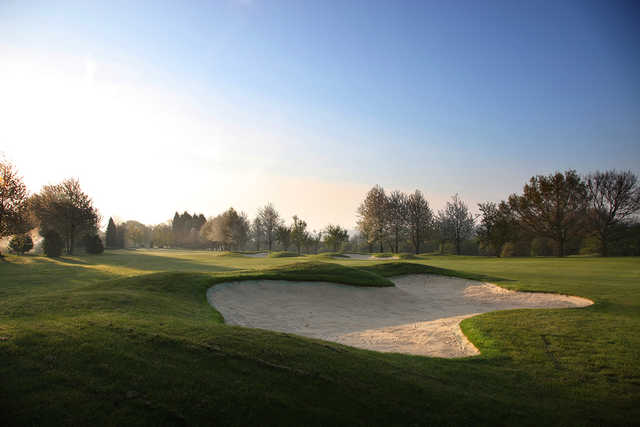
x=21, y=243
x=52, y=244
x=93, y=244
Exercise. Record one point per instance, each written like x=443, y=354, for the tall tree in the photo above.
x=162, y=235
x=13, y=201
x=299, y=234
x=497, y=226
x=229, y=230
x=372, y=215
x=257, y=232
x=552, y=206
x=613, y=198
x=283, y=235
x=335, y=236
x=270, y=219
x=66, y=209
x=397, y=215
x=457, y=222
x=419, y=218
x=112, y=234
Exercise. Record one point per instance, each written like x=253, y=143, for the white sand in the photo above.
x=420, y=315
x=258, y=255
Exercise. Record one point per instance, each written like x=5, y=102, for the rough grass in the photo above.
x=128, y=338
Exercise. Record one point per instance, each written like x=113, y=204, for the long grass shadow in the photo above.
x=146, y=262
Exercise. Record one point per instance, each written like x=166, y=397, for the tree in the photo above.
x=162, y=235
x=21, y=243
x=613, y=198
x=137, y=233
x=299, y=234
x=497, y=226
x=397, y=212
x=283, y=235
x=335, y=236
x=121, y=235
x=52, y=244
x=112, y=234
x=13, y=202
x=457, y=222
x=552, y=206
x=419, y=218
x=372, y=215
x=67, y=210
x=229, y=230
x=257, y=232
x=93, y=244
x=270, y=220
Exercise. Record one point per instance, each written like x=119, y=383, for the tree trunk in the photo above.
x=561, y=242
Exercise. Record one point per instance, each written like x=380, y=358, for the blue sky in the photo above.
x=202, y=105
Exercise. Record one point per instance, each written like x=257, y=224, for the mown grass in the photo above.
x=129, y=338
x=283, y=254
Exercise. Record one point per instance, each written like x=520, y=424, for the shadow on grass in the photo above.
x=389, y=269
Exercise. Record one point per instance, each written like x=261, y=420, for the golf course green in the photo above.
x=128, y=338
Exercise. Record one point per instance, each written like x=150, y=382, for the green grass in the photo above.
x=129, y=338
x=283, y=254
x=382, y=255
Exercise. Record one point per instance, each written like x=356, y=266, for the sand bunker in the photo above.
x=258, y=255
x=366, y=257
x=420, y=315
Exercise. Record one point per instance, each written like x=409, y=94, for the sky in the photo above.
x=159, y=107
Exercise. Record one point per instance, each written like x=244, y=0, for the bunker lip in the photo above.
x=421, y=315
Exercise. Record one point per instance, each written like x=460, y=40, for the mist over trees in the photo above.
x=13, y=202
x=66, y=210
x=559, y=214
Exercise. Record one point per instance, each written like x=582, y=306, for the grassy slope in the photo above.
x=107, y=340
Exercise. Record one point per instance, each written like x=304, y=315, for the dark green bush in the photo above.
x=53, y=244
x=93, y=244
x=21, y=243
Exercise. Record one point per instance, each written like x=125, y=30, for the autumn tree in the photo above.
x=552, y=206
x=457, y=222
x=67, y=210
x=335, y=236
x=230, y=230
x=419, y=218
x=270, y=220
x=13, y=202
x=613, y=198
x=372, y=215
x=299, y=234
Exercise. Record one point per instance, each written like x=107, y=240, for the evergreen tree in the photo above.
x=112, y=234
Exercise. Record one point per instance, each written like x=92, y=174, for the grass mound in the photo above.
x=283, y=254
x=406, y=255
x=118, y=339
x=382, y=255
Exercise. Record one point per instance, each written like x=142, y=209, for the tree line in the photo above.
x=558, y=214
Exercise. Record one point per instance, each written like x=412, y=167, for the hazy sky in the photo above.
x=165, y=106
